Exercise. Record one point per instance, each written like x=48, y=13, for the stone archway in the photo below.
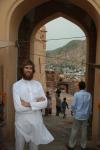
x=75, y=10
x=70, y=11
x=41, y=15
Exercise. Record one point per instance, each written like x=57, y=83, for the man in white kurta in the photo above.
x=29, y=99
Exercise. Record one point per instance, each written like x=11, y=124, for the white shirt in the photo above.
x=29, y=121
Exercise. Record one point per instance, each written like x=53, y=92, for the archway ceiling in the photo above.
x=43, y=11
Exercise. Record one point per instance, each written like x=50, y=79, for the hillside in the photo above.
x=70, y=55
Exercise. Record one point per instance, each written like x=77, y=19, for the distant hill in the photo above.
x=71, y=54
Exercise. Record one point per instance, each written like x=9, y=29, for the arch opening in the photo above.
x=42, y=16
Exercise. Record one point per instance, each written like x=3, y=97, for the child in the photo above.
x=64, y=105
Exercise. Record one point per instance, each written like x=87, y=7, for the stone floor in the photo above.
x=60, y=129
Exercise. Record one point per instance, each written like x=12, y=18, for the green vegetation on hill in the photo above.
x=69, y=46
x=70, y=55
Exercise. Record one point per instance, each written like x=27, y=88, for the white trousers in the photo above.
x=78, y=125
x=20, y=142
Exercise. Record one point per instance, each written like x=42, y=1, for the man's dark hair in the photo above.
x=64, y=98
x=82, y=85
x=25, y=63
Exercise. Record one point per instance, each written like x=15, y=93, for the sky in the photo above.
x=61, y=28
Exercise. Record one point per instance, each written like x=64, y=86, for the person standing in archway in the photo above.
x=48, y=109
x=29, y=99
x=81, y=107
x=58, y=105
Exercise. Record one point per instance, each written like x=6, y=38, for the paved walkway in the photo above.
x=60, y=128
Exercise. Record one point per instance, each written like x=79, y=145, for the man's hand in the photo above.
x=24, y=103
x=40, y=99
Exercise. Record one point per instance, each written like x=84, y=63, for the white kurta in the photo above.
x=29, y=121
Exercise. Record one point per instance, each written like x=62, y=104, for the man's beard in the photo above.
x=28, y=77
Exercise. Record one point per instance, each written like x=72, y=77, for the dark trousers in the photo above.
x=58, y=110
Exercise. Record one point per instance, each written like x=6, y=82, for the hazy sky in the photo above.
x=61, y=28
